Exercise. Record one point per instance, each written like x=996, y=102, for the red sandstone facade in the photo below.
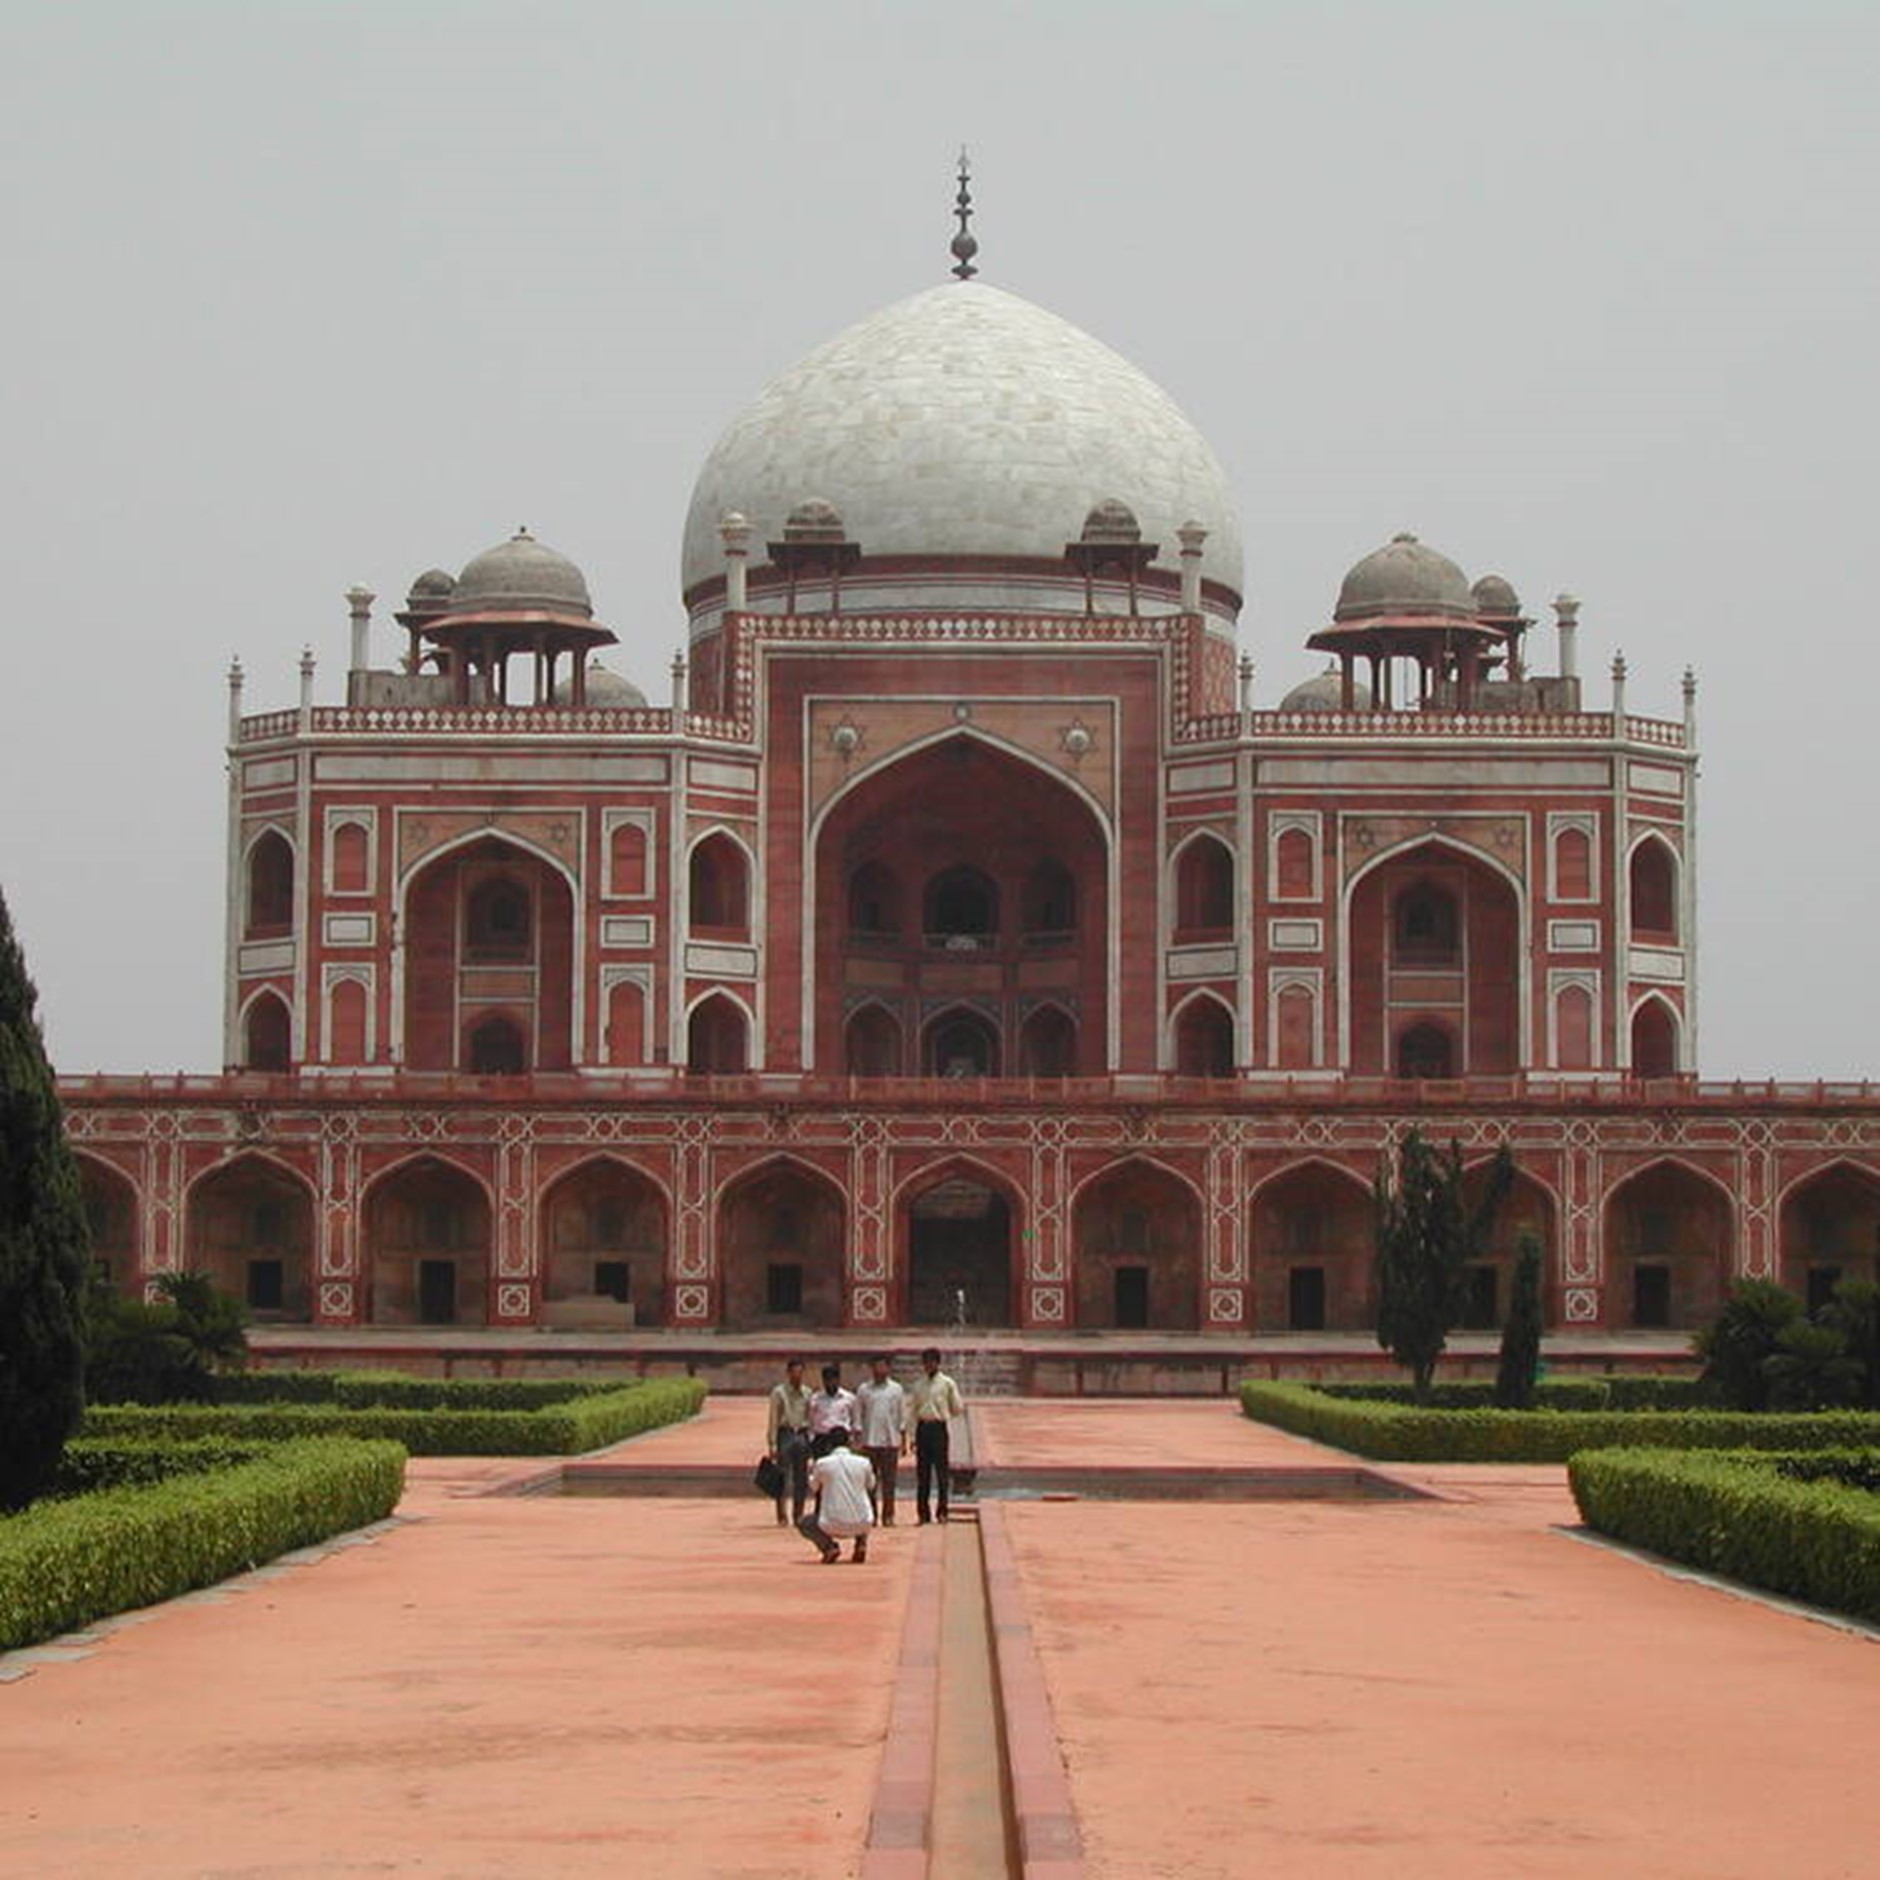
x=924, y=958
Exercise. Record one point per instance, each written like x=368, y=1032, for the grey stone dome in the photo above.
x=1405, y=576
x=1112, y=521
x=1495, y=596
x=813, y=520
x=433, y=584
x=521, y=575
x=963, y=421
x=606, y=689
x=1326, y=693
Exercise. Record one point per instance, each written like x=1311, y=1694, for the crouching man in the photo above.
x=844, y=1483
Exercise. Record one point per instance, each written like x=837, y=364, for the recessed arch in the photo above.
x=267, y=1032
x=958, y=1221
x=604, y=1235
x=1312, y=1229
x=961, y=1041
x=1828, y=1228
x=427, y=1241
x=1047, y=1041
x=1531, y=1206
x=1652, y=872
x=721, y=876
x=1205, y=879
x=113, y=1215
x=1657, y=1033
x=782, y=1235
x=872, y=1042
x=718, y=1030
x=1136, y=1248
x=1669, y=1239
x=268, y=884
x=248, y=1222
x=1202, y=1036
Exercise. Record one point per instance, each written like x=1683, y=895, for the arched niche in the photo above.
x=1204, y=1038
x=270, y=887
x=1136, y=1234
x=720, y=888
x=249, y=1226
x=1670, y=1251
x=718, y=1037
x=604, y=1235
x=112, y=1216
x=1204, y=890
x=960, y=1042
x=1654, y=1040
x=267, y=1034
x=959, y=1259
x=1829, y=1231
x=1314, y=1244
x=1654, y=892
x=872, y=1043
x=1527, y=1208
x=781, y=1240
x=427, y=1245
x=1047, y=1043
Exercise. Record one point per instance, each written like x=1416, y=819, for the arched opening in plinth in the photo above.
x=959, y=1252
x=427, y=1245
x=249, y=1226
x=781, y=1246
x=110, y=1201
x=1314, y=1244
x=1830, y=1231
x=1527, y=1208
x=972, y=879
x=1669, y=1244
x=1136, y=1251
x=604, y=1238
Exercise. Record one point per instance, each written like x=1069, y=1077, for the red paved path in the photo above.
x=548, y=1687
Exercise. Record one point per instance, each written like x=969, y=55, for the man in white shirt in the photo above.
x=932, y=1399
x=884, y=1431
x=845, y=1488
x=830, y=1409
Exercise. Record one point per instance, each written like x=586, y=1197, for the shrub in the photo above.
x=170, y=1350
x=1854, y=1312
x=1810, y=1369
x=388, y=1389
x=1520, y=1364
x=1744, y=1516
x=1405, y=1433
x=1744, y=1335
x=583, y=1423
x=43, y=1248
x=65, y=1563
x=89, y=1465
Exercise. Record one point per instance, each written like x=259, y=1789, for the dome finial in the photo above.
x=964, y=247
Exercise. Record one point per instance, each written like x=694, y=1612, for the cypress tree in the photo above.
x=1521, y=1330
x=44, y=1246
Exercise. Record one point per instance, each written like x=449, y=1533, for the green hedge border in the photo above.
x=1388, y=1432
x=67, y=1562
x=1736, y=1514
x=565, y=1429
x=383, y=1390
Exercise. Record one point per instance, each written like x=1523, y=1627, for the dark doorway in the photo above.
x=1822, y=1281
x=1305, y=1299
x=1478, y=1300
x=960, y=1256
x=1651, y=1296
x=1132, y=1298
x=613, y=1279
x=437, y=1292
x=783, y=1288
x=267, y=1285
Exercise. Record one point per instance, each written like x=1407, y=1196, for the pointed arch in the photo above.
x=1828, y=1228
x=1311, y=1225
x=1657, y=1034
x=1206, y=880
x=427, y=1237
x=1669, y=1238
x=721, y=873
x=872, y=1044
x=114, y=1216
x=718, y=1031
x=1137, y=1228
x=961, y=1041
x=782, y=1232
x=268, y=885
x=1201, y=1036
x=248, y=1222
x=351, y=865
x=958, y=1222
x=267, y=1031
x=1047, y=1041
x=1652, y=870
x=605, y=1231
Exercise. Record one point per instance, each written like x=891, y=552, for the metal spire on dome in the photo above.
x=963, y=246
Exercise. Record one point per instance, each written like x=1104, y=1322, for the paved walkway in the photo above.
x=551, y=1686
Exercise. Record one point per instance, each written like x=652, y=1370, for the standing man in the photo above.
x=830, y=1409
x=884, y=1432
x=845, y=1487
x=931, y=1402
x=786, y=1436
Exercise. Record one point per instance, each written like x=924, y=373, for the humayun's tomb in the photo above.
x=963, y=932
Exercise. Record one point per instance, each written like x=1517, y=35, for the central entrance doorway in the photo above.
x=959, y=1266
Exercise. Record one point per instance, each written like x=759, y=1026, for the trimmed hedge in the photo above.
x=565, y=1429
x=376, y=1390
x=1556, y=1393
x=64, y=1563
x=1740, y=1515
x=1390, y=1432
x=89, y=1465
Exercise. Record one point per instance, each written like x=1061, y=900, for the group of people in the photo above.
x=840, y=1450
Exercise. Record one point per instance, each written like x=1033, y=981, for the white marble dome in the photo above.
x=964, y=422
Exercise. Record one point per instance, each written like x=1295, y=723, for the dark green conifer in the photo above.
x=44, y=1247
x=1520, y=1364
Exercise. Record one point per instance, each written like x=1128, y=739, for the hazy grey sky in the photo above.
x=303, y=295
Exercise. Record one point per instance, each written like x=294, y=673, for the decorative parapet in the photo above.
x=494, y=721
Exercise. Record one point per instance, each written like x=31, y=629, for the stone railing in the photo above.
x=494, y=721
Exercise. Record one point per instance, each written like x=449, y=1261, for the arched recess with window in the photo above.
x=1575, y=1022
x=719, y=877
x=495, y=1045
x=1296, y=1044
x=249, y=1225
x=873, y=1042
x=1655, y=1045
x=1136, y=1236
x=489, y=935
x=1829, y=1226
x=1653, y=874
x=1204, y=1037
x=1204, y=890
x=960, y=1041
x=626, y=1022
x=427, y=1245
x=111, y=1214
x=1313, y=1246
x=352, y=858
x=963, y=861
x=1527, y=1208
x=1295, y=866
x=1670, y=1248
x=604, y=1236
x=782, y=1229
x=1436, y=935
x=1425, y=1048
x=267, y=1034
x=1047, y=1042
x=959, y=1224
x=270, y=887
x=347, y=1022
x=718, y=1037
x=627, y=872
x=1573, y=864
